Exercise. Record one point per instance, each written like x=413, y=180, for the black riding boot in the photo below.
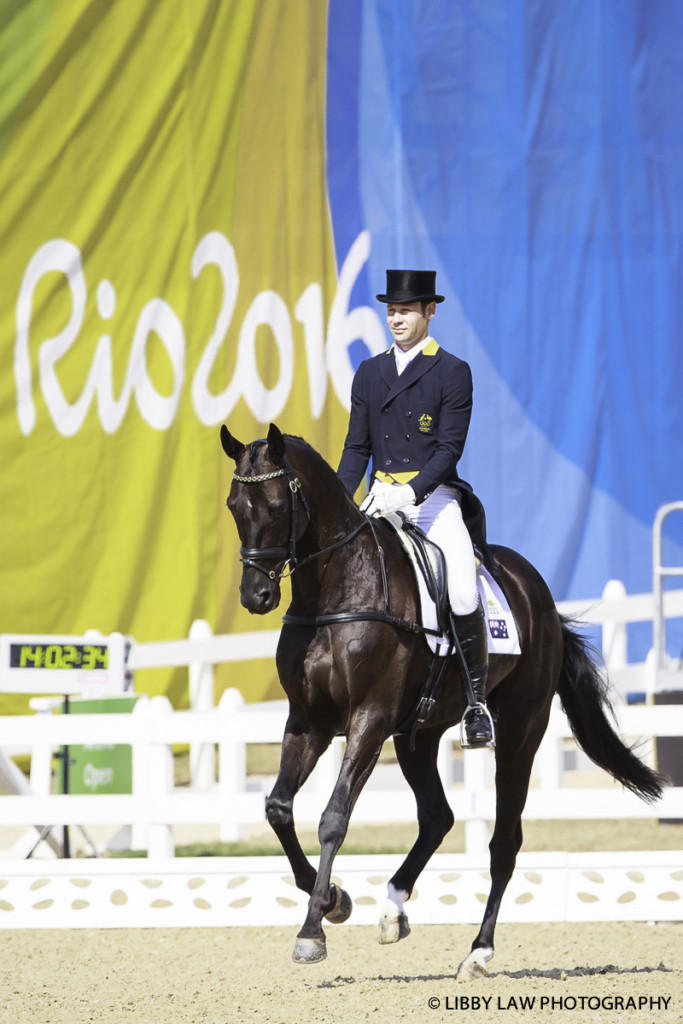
x=477, y=725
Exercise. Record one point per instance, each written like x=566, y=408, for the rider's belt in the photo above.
x=395, y=478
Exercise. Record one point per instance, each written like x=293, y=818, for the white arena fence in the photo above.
x=230, y=802
x=637, y=886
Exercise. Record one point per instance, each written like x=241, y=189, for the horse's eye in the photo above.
x=278, y=509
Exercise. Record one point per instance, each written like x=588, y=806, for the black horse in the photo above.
x=351, y=665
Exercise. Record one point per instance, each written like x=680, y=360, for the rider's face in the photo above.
x=409, y=323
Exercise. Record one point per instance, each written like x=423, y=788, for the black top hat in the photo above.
x=411, y=286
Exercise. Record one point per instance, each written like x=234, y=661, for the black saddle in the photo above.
x=474, y=517
x=431, y=562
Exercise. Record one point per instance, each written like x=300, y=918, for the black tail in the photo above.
x=585, y=698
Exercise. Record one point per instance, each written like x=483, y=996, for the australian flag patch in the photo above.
x=499, y=629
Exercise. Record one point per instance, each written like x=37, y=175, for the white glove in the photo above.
x=373, y=504
x=387, y=498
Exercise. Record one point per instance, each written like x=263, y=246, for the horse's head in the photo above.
x=270, y=513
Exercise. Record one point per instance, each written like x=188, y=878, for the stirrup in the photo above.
x=464, y=743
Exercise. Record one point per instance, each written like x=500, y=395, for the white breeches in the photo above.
x=439, y=516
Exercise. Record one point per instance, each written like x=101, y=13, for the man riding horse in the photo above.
x=410, y=413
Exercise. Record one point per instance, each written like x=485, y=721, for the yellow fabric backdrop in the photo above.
x=166, y=265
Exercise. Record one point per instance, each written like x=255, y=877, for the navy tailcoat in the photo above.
x=412, y=426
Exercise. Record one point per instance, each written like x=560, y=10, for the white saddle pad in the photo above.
x=502, y=630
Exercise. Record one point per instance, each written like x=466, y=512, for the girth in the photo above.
x=432, y=563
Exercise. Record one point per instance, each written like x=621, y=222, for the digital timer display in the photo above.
x=85, y=657
x=88, y=665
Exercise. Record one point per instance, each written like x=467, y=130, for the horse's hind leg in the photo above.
x=435, y=820
x=519, y=733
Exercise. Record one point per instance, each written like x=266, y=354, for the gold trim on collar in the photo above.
x=430, y=349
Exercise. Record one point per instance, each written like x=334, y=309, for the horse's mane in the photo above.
x=306, y=460
x=318, y=465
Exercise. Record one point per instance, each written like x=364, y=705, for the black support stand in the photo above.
x=63, y=756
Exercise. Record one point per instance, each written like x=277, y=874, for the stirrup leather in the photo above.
x=464, y=743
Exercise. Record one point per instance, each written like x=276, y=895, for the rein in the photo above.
x=335, y=617
x=248, y=556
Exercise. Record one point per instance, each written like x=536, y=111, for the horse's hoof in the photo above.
x=341, y=911
x=474, y=965
x=393, y=929
x=309, y=951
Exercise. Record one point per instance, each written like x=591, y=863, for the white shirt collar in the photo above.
x=403, y=358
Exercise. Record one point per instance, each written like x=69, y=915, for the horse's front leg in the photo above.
x=302, y=746
x=362, y=750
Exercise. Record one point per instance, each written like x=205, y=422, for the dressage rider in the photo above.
x=410, y=413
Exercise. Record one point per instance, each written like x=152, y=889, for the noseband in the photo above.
x=248, y=556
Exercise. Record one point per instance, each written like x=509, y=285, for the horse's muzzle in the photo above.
x=260, y=594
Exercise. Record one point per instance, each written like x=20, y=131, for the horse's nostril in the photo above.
x=259, y=601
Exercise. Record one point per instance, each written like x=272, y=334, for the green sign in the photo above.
x=98, y=768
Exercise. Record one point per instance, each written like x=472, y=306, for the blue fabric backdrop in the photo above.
x=532, y=153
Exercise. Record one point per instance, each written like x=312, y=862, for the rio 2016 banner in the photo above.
x=198, y=202
x=167, y=265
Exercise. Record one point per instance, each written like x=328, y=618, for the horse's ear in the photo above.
x=231, y=446
x=276, y=443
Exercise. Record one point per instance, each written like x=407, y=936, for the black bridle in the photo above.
x=248, y=556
